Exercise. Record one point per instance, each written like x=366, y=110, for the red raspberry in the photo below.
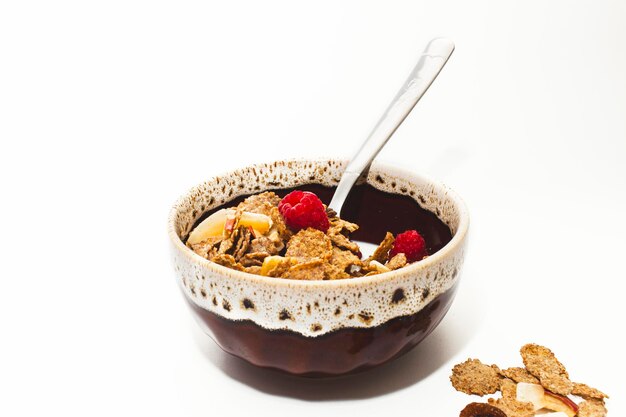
x=302, y=209
x=410, y=243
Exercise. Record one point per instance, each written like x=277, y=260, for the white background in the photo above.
x=109, y=110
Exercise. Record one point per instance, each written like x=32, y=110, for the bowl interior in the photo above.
x=220, y=190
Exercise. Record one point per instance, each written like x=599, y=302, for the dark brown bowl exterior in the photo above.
x=343, y=351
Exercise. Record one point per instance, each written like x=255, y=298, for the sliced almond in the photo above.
x=379, y=267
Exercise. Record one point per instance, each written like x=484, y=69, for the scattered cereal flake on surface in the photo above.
x=509, y=404
x=310, y=270
x=541, y=362
x=519, y=375
x=381, y=254
x=227, y=261
x=508, y=388
x=587, y=392
x=481, y=410
x=309, y=243
x=556, y=383
x=539, y=359
x=513, y=408
x=592, y=408
x=397, y=262
x=474, y=377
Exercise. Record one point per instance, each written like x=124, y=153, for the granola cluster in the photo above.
x=254, y=237
x=543, y=384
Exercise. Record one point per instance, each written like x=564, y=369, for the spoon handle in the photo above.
x=428, y=67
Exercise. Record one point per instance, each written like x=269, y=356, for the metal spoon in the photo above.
x=428, y=67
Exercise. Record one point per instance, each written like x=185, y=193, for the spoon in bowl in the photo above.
x=428, y=67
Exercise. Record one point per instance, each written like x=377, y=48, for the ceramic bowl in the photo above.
x=318, y=328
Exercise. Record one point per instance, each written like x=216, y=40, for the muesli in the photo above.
x=542, y=387
x=296, y=237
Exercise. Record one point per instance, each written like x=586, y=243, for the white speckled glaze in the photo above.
x=313, y=308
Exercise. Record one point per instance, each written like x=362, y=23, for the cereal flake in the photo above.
x=541, y=362
x=397, y=261
x=381, y=254
x=519, y=375
x=592, y=408
x=313, y=269
x=344, y=259
x=587, y=392
x=260, y=203
x=263, y=244
x=253, y=258
x=227, y=261
x=309, y=243
x=207, y=248
x=474, y=377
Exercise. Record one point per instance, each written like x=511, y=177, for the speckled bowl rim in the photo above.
x=457, y=239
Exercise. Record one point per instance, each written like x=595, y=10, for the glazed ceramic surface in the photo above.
x=318, y=327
